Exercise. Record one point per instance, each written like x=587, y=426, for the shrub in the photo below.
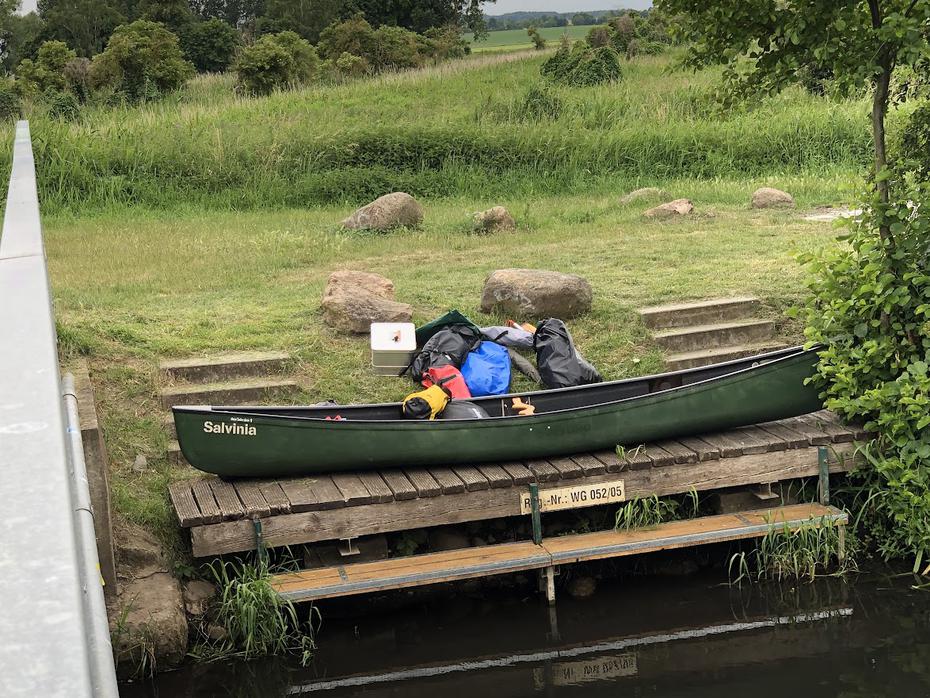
x=539, y=43
x=396, y=48
x=47, y=72
x=598, y=36
x=62, y=105
x=141, y=60
x=445, y=43
x=384, y=48
x=354, y=36
x=583, y=65
x=915, y=141
x=77, y=73
x=210, y=45
x=540, y=103
x=9, y=101
x=276, y=61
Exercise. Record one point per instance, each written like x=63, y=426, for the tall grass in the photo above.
x=452, y=130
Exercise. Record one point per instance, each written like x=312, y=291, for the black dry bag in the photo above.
x=560, y=365
x=448, y=346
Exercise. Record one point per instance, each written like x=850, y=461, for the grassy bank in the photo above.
x=133, y=287
x=460, y=129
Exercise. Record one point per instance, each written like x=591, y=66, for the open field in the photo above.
x=210, y=222
x=509, y=39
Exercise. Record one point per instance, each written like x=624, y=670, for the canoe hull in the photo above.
x=253, y=444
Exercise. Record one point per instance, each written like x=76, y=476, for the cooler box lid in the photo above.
x=393, y=337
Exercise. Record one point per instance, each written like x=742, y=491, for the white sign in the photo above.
x=574, y=497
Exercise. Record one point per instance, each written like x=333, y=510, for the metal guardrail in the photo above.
x=53, y=626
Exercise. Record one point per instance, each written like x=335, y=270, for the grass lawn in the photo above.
x=132, y=288
x=509, y=39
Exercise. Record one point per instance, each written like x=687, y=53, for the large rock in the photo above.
x=198, y=594
x=494, y=220
x=534, y=293
x=386, y=212
x=673, y=209
x=644, y=194
x=148, y=625
x=353, y=300
x=766, y=197
x=373, y=283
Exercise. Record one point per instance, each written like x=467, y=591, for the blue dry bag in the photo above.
x=487, y=370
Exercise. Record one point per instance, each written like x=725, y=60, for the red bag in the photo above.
x=449, y=378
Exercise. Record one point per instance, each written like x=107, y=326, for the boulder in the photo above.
x=140, y=553
x=149, y=626
x=581, y=587
x=678, y=207
x=494, y=220
x=198, y=594
x=766, y=197
x=386, y=212
x=373, y=283
x=353, y=309
x=353, y=300
x=646, y=193
x=535, y=293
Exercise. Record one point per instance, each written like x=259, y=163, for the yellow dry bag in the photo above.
x=425, y=404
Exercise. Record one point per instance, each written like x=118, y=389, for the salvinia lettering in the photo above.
x=226, y=428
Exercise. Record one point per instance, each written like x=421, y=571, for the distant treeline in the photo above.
x=523, y=20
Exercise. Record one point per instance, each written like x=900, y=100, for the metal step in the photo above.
x=228, y=393
x=714, y=310
x=723, y=334
x=704, y=357
x=226, y=366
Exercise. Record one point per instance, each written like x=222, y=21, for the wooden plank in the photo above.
x=299, y=493
x=817, y=436
x=658, y=455
x=543, y=470
x=448, y=480
x=567, y=468
x=728, y=447
x=520, y=473
x=424, y=483
x=836, y=432
x=858, y=431
x=765, y=439
x=313, y=526
x=790, y=437
x=185, y=506
x=679, y=452
x=703, y=450
x=496, y=475
x=376, y=486
x=209, y=511
x=399, y=484
x=327, y=494
x=253, y=501
x=612, y=461
x=352, y=488
x=227, y=499
x=589, y=465
x=474, y=480
x=275, y=497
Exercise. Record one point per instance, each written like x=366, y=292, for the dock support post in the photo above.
x=549, y=580
x=554, y=624
x=259, y=541
x=537, y=523
x=823, y=462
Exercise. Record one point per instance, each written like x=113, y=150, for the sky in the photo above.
x=504, y=6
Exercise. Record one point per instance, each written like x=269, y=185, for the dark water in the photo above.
x=691, y=637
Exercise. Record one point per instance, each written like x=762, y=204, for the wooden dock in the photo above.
x=234, y=516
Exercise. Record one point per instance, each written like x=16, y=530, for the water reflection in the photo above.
x=646, y=637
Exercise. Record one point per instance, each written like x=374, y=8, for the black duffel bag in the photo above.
x=559, y=363
x=448, y=346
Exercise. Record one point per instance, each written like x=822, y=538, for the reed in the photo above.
x=649, y=512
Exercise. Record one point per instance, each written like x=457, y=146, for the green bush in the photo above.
x=582, y=65
x=915, y=141
x=539, y=43
x=62, y=105
x=210, y=45
x=540, y=103
x=445, y=43
x=142, y=60
x=47, y=72
x=387, y=47
x=10, y=105
x=869, y=306
x=275, y=62
x=77, y=73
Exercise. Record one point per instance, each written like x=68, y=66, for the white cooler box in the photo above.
x=393, y=345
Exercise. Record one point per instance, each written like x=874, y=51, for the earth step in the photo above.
x=722, y=334
x=175, y=457
x=704, y=357
x=168, y=424
x=228, y=393
x=715, y=310
x=226, y=367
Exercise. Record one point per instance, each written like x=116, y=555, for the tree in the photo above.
x=305, y=17
x=420, y=15
x=276, y=61
x=583, y=19
x=210, y=45
x=141, y=60
x=19, y=36
x=539, y=43
x=85, y=25
x=47, y=72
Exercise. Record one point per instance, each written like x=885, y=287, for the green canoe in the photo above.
x=288, y=441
